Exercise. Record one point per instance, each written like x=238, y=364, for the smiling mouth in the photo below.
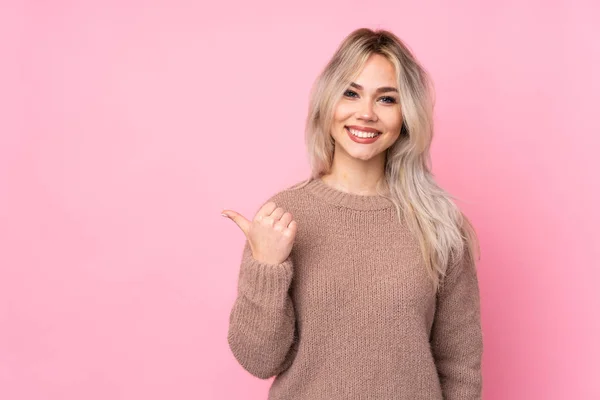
x=362, y=134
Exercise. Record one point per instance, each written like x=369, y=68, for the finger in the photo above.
x=277, y=213
x=291, y=229
x=265, y=210
x=239, y=219
x=285, y=219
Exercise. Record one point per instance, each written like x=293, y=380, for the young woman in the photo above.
x=360, y=282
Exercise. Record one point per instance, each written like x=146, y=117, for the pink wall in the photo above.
x=127, y=126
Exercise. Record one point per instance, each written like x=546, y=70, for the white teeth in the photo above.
x=362, y=134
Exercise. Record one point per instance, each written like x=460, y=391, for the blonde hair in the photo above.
x=444, y=233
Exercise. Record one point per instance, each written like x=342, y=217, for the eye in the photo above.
x=390, y=100
x=386, y=99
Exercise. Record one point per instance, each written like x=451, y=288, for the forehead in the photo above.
x=377, y=71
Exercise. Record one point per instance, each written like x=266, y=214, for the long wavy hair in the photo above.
x=445, y=235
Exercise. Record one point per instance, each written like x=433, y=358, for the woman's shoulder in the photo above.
x=291, y=197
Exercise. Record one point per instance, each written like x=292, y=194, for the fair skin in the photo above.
x=371, y=102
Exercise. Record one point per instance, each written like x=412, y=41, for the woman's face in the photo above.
x=370, y=104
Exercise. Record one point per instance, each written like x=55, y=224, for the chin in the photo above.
x=363, y=157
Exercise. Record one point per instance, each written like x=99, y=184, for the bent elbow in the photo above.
x=257, y=362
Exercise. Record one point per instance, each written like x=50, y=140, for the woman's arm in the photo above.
x=262, y=322
x=456, y=337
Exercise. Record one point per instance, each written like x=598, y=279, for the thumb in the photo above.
x=239, y=219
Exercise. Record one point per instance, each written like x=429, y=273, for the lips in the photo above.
x=363, y=129
x=362, y=140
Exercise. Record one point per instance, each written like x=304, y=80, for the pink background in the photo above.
x=127, y=126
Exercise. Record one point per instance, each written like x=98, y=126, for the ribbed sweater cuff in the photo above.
x=265, y=284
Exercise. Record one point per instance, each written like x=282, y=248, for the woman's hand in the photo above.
x=271, y=233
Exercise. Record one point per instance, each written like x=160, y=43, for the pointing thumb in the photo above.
x=239, y=219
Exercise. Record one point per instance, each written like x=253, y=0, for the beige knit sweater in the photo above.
x=351, y=314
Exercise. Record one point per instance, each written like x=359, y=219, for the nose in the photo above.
x=366, y=111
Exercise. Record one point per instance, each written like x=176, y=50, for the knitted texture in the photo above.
x=351, y=313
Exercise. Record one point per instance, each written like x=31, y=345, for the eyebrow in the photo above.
x=382, y=89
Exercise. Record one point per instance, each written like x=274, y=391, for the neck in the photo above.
x=355, y=182
x=355, y=176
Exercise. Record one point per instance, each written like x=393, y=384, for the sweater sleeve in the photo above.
x=262, y=333
x=456, y=338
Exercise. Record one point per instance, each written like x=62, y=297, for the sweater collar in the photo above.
x=338, y=197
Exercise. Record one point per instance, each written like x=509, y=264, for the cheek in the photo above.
x=394, y=121
x=342, y=112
